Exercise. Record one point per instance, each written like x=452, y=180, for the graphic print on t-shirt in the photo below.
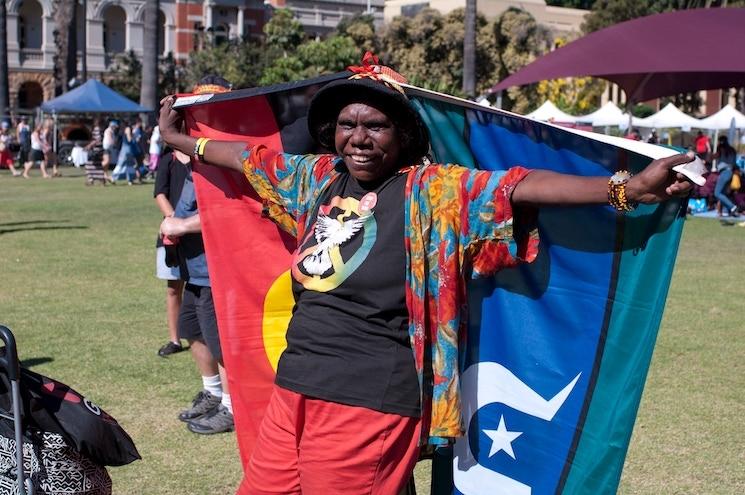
x=318, y=263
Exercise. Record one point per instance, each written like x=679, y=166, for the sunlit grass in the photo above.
x=77, y=287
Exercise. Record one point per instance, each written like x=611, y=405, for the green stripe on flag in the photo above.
x=651, y=238
x=446, y=124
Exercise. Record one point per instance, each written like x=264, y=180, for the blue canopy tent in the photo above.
x=92, y=97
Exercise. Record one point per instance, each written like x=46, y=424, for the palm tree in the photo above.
x=63, y=14
x=4, y=93
x=149, y=85
x=469, y=50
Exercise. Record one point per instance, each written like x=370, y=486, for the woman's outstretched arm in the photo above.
x=225, y=154
x=657, y=182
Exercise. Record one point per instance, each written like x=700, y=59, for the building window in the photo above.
x=197, y=43
x=220, y=34
x=81, y=26
x=413, y=9
x=115, y=30
x=30, y=32
x=161, y=32
x=30, y=95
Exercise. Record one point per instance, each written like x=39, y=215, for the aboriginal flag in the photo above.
x=557, y=352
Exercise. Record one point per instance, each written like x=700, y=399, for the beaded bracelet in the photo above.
x=617, y=191
x=197, y=145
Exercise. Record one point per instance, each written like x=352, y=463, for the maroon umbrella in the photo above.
x=659, y=55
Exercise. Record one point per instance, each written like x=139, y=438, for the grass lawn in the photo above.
x=79, y=291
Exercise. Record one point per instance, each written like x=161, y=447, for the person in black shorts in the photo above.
x=172, y=170
x=212, y=409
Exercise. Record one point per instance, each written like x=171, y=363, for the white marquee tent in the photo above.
x=669, y=117
x=548, y=112
x=723, y=119
x=609, y=115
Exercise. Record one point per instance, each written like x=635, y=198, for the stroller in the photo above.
x=65, y=439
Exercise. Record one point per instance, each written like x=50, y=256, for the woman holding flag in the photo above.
x=385, y=244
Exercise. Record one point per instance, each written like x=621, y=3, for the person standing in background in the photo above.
x=726, y=156
x=126, y=164
x=169, y=182
x=6, y=157
x=154, y=149
x=37, y=154
x=211, y=409
x=110, y=143
x=702, y=145
x=47, y=146
x=23, y=136
x=138, y=137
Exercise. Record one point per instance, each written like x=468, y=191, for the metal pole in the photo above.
x=20, y=476
x=13, y=370
x=54, y=137
x=84, y=48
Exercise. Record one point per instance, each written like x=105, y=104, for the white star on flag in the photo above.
x=502, y=439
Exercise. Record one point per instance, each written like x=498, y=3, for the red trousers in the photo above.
x=315, y=447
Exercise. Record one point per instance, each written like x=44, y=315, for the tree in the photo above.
x=574, y=4
x=240, y=62
x=574, y=95
x=312, y=59
x=4, y=91
x=125, y=76
x=170, y=75
x=361, y=28
x=689, y=103
x=469, y=50
x=63, y=14
x=284, y=31
x=519, y=40
x=150, y=50
x=608, y=12
x=428, y=49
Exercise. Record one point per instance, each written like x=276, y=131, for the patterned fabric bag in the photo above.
x=54, y=467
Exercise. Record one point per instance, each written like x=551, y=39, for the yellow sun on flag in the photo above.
x=278, y=305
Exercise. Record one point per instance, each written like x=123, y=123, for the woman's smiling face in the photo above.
x=367, y=141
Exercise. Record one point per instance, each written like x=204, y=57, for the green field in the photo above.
x=79, y=291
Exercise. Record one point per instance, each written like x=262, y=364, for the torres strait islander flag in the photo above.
x=557, y=351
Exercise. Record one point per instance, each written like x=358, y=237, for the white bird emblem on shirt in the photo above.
x=330, y=233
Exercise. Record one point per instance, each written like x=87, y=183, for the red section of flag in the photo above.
x=245, y=255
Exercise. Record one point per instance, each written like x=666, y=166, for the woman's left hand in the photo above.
x=169, y=120
x=658, y=182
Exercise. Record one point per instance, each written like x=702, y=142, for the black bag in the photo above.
x=52, y=406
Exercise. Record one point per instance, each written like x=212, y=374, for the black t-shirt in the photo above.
x=348, y=339
x=169, y=180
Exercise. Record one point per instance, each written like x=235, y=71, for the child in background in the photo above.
x=6, y=157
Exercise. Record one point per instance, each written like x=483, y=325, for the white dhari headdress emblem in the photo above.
x=330, y=233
